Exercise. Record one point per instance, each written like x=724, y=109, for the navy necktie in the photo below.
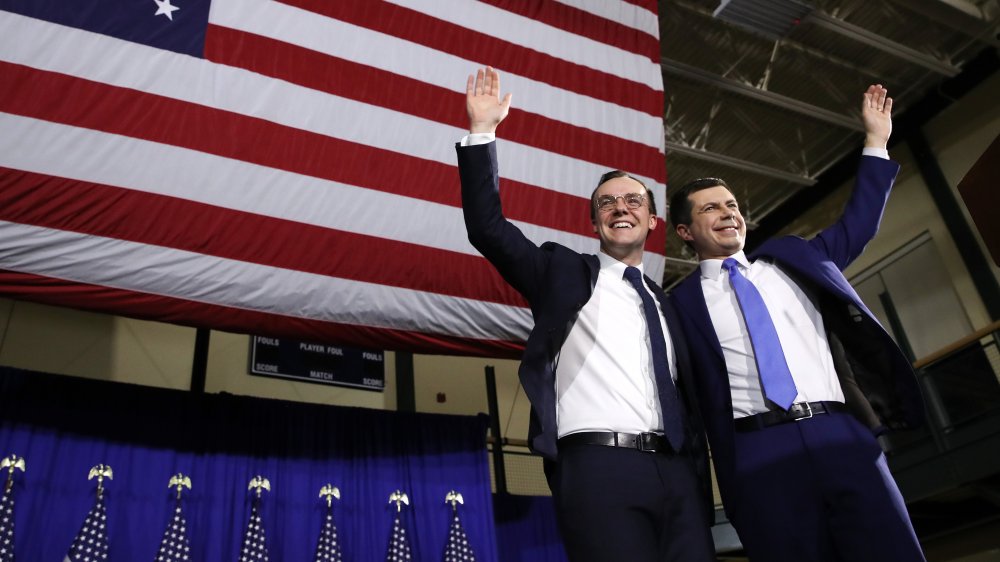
x=673, y=423
x=774, y=374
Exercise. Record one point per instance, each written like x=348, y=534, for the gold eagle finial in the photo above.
x=259, y=482
x=179, y=481
x=398, y=498
x=329, y=492
x=11, y=462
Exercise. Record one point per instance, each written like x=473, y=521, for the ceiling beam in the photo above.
x=861, y=35
x=739, y=164
x=958, y=15
x=784, y=102
x=966, y=7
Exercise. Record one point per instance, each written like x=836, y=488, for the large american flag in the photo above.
x=286, y=167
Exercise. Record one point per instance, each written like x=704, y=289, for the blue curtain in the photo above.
x=63, y=426
x=527, y=530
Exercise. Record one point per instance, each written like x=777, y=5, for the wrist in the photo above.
x=874, y=141
x=475, y=128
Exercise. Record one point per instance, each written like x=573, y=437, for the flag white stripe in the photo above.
x=195, y=277
x=385, y=52
x=622, y=12
x=54, y=48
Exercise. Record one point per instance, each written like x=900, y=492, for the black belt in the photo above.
x=648, y=442
x=797, y=412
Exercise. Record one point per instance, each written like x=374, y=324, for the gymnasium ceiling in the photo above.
x=765, y=94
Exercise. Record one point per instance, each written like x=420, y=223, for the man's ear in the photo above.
x=653, y=221
x=684, y=232
x=594, y=224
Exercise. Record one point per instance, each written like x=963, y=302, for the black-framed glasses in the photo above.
x=632, y=201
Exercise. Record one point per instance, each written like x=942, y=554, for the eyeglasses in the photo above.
x=632, y=201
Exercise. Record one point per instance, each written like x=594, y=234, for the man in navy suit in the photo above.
x=626, y=464
x=801, y=473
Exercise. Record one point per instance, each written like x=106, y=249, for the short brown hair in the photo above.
x=680, y=205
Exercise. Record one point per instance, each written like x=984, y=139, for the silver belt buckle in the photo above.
x=809, y=410
x=640, y=443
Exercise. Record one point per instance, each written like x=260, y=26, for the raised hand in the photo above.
x=876, y=114
x=482, y=101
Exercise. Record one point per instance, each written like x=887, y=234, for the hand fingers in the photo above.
x=495, y=91
x=880, y=93
x=876, y=97
x=480, y=78
x=485, y=82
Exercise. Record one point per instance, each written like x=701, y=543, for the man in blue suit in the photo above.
x=795, y=376
x=626, y=464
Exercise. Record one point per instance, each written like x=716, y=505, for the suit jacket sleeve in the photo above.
x=519, y=260
x=843, y=241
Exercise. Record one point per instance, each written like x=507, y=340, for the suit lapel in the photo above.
x=690, y=298
x=673, y=326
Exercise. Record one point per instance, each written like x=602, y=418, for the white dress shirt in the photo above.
x=604, y=372
x=796, y=319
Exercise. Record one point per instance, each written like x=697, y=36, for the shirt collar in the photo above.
x=712, y=268
x=614, y=267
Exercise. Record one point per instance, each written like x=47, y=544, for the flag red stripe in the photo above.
x=651, y=5
x=59, y=292
x=370, y=85
x=70, y=205
x=585, y=24
x=462, y=42
x=40, y=94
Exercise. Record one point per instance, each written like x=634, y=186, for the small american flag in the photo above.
x=91, y=543
x=175, y=546
x=7, y=526
x=399, y=545
x=327, y=549
x=254, y=543
x=458, y=549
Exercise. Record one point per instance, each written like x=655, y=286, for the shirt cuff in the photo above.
x=472, y=139
x=871, y=151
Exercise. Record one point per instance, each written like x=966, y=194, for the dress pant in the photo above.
x=616, y=505
x=818, y=490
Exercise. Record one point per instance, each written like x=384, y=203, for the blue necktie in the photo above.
x=673, y=423
x=774, y=374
